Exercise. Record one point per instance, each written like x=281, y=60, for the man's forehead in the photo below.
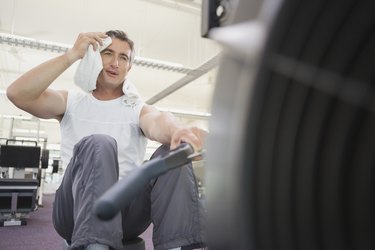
x=119, y=46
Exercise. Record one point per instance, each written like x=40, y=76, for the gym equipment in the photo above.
x=18, y=189
x=44, y=159
x=290, y=155
x=120, y=194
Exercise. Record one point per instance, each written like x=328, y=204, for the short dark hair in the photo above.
x=121, y=35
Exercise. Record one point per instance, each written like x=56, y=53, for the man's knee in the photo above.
x=161, y=151
x=99, y=139
x=96, y=144
x=98, y=151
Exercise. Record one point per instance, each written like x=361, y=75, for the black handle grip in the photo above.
x=120, y=194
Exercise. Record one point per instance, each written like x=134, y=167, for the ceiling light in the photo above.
x=31, y=43
x=189, y=113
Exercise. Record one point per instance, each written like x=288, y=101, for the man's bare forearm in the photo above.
x=161, y=126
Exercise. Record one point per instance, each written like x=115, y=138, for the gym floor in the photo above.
x=39, y=233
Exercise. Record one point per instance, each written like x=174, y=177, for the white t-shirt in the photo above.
x=85, y=115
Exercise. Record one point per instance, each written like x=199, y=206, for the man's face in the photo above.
x=116, y=63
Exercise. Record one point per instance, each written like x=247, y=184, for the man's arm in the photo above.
x=30, y=92
x=164, y=128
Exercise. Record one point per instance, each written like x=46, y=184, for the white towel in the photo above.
x=90, y=66
x=131, y=94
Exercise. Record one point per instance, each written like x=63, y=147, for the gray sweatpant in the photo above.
x=170, y=201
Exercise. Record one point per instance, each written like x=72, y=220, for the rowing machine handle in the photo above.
x=121, y=193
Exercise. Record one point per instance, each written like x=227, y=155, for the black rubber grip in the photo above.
x=120, y=194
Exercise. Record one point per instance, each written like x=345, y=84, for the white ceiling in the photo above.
x=166, y=30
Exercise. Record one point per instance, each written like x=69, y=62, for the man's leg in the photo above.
x=92, y=170
x=137, y=216
x=176, y=210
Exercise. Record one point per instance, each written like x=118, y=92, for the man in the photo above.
x=100, y=132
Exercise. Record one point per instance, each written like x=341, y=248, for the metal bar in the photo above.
x=191, y=76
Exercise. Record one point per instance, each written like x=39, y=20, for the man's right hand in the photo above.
x=83, y=41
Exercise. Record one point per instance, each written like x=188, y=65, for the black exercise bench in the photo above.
x=18, y=190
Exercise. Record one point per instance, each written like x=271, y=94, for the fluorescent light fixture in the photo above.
x=26, y=42
x=18, y=117
x=28, y=131
x=180, y=112
x=29, y=118
x=158, y=64
x=22, y=138
x=31, y=43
